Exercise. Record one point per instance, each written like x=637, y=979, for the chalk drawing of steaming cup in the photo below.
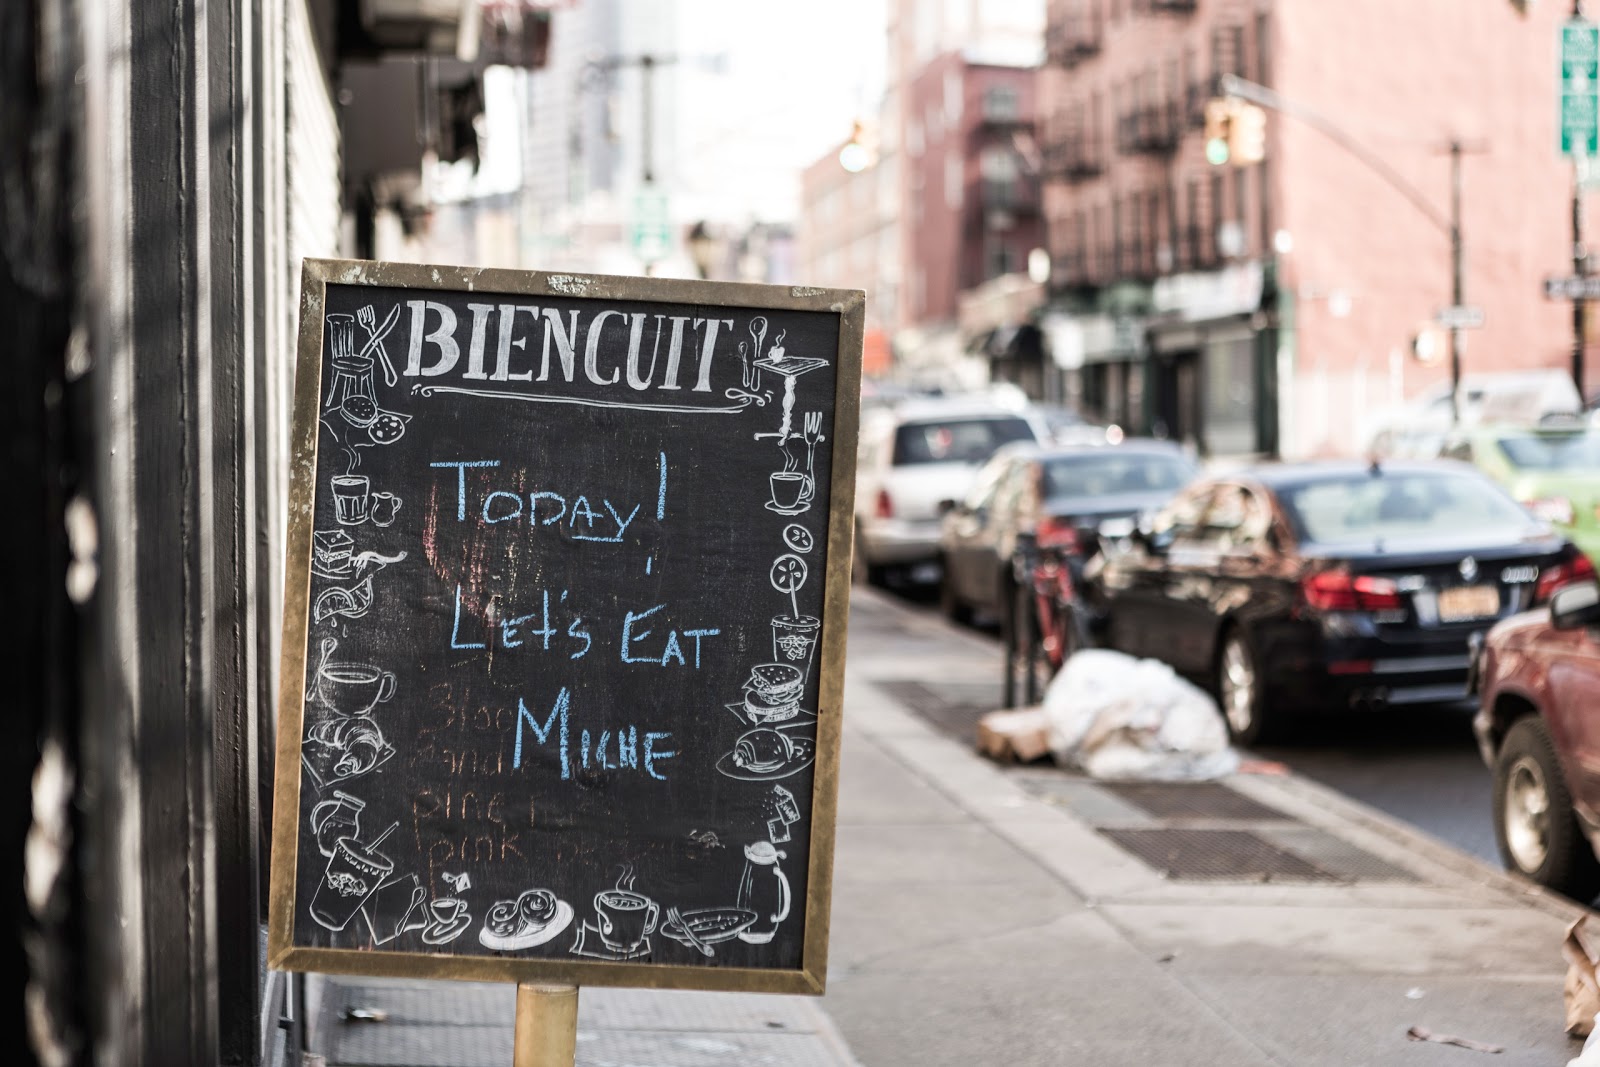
x=351, y=689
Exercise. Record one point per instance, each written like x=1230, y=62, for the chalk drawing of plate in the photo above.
x=710, y=926
x=529, y=938
x=802, y=750
x=791, y=365
x=801, y=510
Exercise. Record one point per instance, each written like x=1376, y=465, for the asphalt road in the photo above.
x=1420, y=765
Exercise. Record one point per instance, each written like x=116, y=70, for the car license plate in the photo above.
x=1468, y=602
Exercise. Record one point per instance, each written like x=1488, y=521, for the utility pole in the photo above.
x=1234, y=86
x=1580, y=268
x=1455, y=280
x=1580, y=255
x=1457, y=268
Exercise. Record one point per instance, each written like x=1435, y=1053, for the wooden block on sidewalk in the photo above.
x=1022, y=735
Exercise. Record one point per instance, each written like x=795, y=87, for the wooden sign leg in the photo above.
x=547, y=1026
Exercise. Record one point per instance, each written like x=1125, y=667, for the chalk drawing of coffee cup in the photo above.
x=626, y=919
x=794, y=641
x=352, y=499
x=791, y=492
x=353, y=874
x=352, y=689
x=382, y=508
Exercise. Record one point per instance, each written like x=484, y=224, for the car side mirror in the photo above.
x=947, y=506
x=1575, y=606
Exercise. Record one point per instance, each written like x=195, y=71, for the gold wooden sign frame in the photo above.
x=317, y=275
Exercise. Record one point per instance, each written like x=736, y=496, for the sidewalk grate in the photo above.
x=953, y=707
x=1193, y=800
x=1336, y=855
x=1216, y=855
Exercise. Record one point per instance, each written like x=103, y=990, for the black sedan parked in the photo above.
x=1326, y=585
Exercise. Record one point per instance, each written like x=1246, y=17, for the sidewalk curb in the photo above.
x=1322, y=800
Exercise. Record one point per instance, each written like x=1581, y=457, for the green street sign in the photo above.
x=1580, y=88
x=651, y=234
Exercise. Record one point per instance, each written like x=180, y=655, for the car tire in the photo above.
x=862, y=570
x=1239, y=690
x=950, y=604
x=1538, y=834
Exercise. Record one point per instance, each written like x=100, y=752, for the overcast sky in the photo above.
x=795, y=78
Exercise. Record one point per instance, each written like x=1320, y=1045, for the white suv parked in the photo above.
x=914, y=457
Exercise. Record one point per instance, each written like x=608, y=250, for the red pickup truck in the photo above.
x=1538, y=727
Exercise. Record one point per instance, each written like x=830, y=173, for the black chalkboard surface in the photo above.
x=565, y=623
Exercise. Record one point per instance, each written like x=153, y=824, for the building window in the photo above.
x=998, y=168
x=1002, y=103
x=952, y=98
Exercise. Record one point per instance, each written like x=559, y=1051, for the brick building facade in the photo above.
x=1270, y=308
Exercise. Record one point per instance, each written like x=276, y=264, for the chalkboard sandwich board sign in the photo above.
x=564, y=629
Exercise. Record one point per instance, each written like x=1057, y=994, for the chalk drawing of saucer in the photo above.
x=590, y=943
x=438, y=933
x=528, y=938
x=799, y=509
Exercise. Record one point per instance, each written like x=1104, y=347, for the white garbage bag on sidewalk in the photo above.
x=1114, y=716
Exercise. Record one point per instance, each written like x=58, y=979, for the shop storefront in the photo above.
x=1211, y=368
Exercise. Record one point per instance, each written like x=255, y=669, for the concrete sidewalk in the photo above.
x=1026, y=916
x=990, y=915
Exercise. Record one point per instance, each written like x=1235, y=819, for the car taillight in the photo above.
x=885, y=506
x=1058, y=533
x=1552, y=509
x=1338, y=591
x=1566, y=572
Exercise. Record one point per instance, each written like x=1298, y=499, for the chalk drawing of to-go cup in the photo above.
x=794, y=641
x=763, y=889
x=354, y=502
x=353, y=874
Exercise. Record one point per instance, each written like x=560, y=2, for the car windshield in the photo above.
x=1110, y=473
x=1552, y=452
x=956, y=440
x=1400, y=506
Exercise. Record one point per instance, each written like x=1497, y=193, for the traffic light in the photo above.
x=1247, y=134
x=1219, y=122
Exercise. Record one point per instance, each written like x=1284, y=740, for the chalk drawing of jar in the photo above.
x=764, y=889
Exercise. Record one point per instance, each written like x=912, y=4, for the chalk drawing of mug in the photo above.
x=353, y=689
x=626, y=919
x=791, y=492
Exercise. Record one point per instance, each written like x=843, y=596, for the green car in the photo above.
x=1554, y=471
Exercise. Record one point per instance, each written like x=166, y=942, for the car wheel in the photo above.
x=1534, y=824
x=1239, y=690
x=862, y=570
x=950, y=604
